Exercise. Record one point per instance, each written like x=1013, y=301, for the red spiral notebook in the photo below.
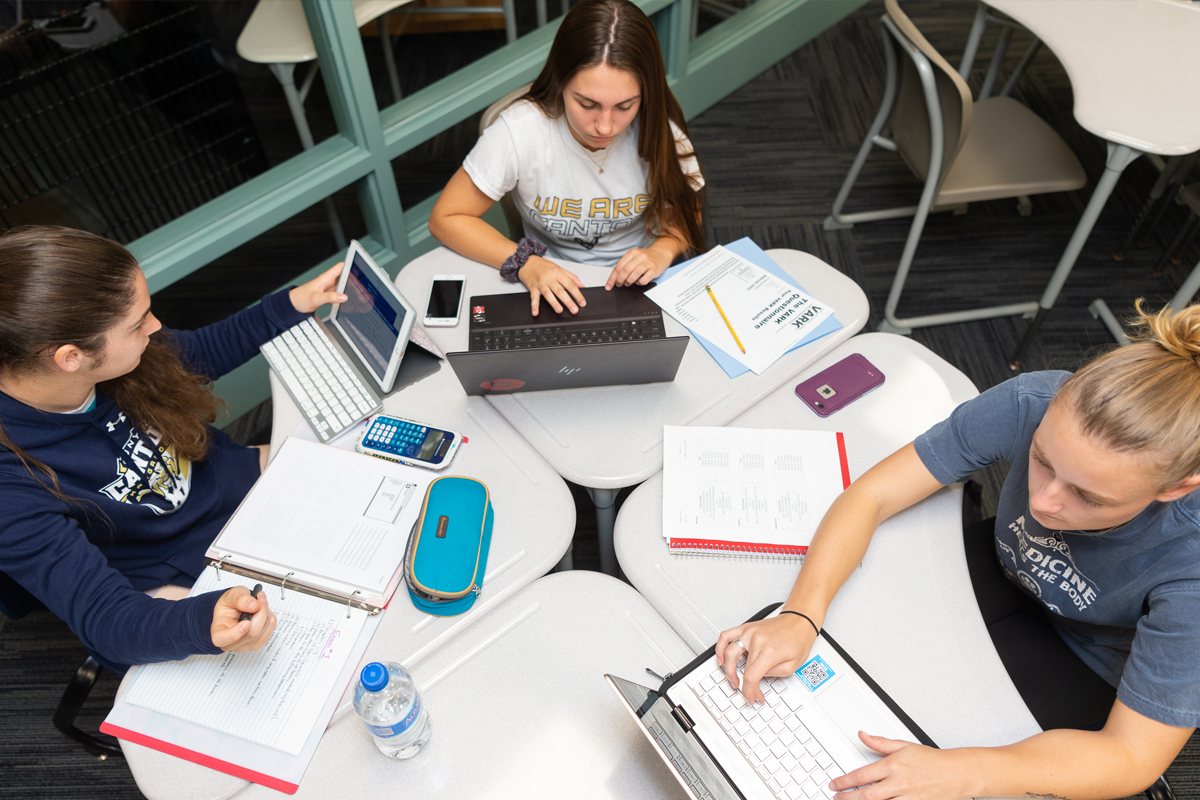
x=747, y=492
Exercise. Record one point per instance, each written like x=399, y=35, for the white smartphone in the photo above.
x=445, y=301
x=409, y=442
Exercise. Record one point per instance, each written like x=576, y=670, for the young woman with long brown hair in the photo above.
x=113, y=480
x=597, y=157
x=1088, y=578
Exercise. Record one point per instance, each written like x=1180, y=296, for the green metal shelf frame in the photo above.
x=701, y=72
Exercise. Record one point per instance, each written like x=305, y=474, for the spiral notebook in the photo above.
x=747, y=492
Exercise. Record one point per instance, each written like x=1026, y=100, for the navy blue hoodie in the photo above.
x=148, y=517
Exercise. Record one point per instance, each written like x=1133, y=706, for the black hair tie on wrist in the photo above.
x=526, y=248
x=806, y=616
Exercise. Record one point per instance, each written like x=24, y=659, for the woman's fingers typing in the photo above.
x=552, y=284
x=773, y=647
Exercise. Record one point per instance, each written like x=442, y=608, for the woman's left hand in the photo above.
x=909, y=770
x=639, y=266
x=320, y=291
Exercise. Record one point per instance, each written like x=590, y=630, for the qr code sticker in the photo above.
x=814, y=673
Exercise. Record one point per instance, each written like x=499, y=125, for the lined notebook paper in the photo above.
x=271, y=696
x=748, y=492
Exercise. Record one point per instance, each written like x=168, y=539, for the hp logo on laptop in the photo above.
x=569, y=370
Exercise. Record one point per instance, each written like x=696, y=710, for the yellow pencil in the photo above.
x=727, y=325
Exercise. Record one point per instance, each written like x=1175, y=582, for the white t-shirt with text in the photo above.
x=580, y=213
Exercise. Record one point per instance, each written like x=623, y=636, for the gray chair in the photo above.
x=964, y=151
x=516, y=228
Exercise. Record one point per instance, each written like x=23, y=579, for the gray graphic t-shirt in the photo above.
x=1126, y=601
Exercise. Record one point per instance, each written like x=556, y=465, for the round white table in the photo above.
x=908, y=614
x=518, y=705
x=610, y=437
x=534, y=523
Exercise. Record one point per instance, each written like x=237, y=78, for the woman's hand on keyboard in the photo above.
x=545, y=279
x=909, y=770
x=639, y=266
x=774, y=647
x=320, y=291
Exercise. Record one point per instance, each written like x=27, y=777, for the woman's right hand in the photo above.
x=775, y=647
x=229, y=632
x=558, y=286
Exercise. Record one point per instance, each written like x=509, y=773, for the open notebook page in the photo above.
x=769, y=487
x=325, y=512
x=272, y=696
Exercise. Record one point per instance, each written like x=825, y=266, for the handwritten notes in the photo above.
x=271, y=696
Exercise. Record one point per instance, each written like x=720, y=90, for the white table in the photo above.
x=534, y=523
x=908, y=615
x=1132, y=65
x=515, y=713
x=606, y=438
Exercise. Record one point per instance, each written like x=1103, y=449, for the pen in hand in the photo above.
x=246, y=614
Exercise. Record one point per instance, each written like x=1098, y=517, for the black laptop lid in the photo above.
x=492, y=311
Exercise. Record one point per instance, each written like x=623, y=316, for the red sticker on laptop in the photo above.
x=501, y=385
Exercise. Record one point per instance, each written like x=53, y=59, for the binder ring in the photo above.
x=283, y=583
x=350, y=600
x=220, y=565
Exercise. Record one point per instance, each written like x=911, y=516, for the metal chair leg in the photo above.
x=836, y=221
x=1160, y=790
x=72, y=701
x=1174, y=246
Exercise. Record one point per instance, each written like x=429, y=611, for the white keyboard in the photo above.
x=771, y=736
x=331, y=396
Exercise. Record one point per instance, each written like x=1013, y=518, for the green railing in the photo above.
x=701, y=72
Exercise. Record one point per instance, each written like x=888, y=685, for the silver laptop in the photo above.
x=339, y=370
x=789, y=748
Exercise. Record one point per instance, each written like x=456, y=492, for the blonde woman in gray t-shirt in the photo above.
x=598, y=159
x=1096, y=543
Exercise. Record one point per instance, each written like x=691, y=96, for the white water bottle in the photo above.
x=388, y=704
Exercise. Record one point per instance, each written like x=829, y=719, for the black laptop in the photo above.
x=617, y=338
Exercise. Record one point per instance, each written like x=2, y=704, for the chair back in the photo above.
x=909, y=122
x=512, y=215
x=497, y=108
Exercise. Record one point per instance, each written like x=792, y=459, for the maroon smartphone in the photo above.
x=841, y=384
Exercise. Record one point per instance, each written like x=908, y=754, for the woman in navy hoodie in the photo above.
x=112, y=480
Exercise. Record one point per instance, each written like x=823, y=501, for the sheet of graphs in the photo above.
x=748, y=485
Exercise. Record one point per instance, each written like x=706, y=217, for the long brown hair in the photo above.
x=60, y=286
x=1145, y=397
x=618, y=34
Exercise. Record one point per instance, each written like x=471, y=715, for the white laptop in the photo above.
x=338, y=370
x=805, y=735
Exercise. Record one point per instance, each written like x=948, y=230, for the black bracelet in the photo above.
x=806, y=616
x=525, y=248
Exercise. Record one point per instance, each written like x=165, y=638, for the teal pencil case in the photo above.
x=447, y=550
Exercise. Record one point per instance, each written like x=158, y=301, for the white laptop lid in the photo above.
x=375, y=321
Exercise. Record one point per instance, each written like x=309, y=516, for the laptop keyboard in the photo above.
x=771, y=737
x=681, y=764
x=331, y=396
x=561, y=335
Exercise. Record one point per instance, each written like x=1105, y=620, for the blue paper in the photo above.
x=747, y=249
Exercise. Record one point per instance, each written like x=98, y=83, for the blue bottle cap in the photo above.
x=374, y=677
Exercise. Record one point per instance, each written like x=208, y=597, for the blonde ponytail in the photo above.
x=1145, y=397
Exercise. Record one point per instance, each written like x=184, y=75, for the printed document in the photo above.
x=745, y=485
x=271, y=696
x=327, y=515
x=768, y=315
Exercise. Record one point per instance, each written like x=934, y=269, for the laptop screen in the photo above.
x=368, y=318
